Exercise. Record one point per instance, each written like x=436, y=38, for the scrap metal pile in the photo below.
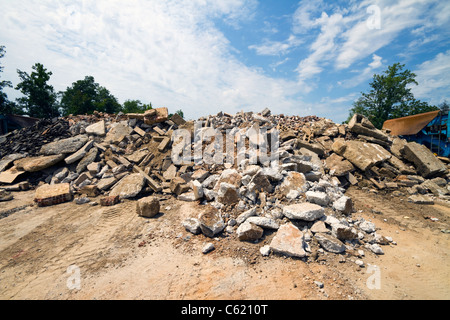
x=251, y=172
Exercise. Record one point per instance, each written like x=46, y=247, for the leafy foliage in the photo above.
x=39, y=97
x=86, y=96
x=6, y=106
x=135, y=106
x=390, y=97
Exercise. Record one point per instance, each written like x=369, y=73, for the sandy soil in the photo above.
x=71, y=251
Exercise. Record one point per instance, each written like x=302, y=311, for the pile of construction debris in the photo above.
x=297, y=189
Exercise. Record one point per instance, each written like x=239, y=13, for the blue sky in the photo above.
x=202, y=56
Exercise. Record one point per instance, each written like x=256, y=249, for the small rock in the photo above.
x=263, y=222
x=319, y=226
x=192, y=225
x=243, y=216
x=330, y=243
x=82, y=200
x=211, y=223
x=319, y=284
x=359, y=263
x=317, y=197
x=148, y=207
x=249, y=232
x=265, y=250
x=344, y=204
x=208, y=248
x=367, y=226
x=375, y=248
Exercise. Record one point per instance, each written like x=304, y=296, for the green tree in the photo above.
x=180, y=113
x=39, y=97
x=6, y=106
x=390, y=97
x=444, y=106
x=135, y=106
x=86, y=96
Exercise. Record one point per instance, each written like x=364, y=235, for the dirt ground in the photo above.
x=80, y=252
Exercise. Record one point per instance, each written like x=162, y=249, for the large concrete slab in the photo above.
x=426, y=163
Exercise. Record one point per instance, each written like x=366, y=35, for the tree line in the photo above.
x=41, y=101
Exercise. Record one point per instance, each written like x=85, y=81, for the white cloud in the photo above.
x=302, y=17
x=349, y=35
x=323, y=47
x=275, y=48
x=433, y=80
x=363, y=75
x=167, y=53
x=376, y=63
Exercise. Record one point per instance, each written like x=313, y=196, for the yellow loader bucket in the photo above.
x=410, y=124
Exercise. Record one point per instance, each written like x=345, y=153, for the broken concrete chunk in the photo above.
x=344, y=204
x=304, y=211
x=427, y=164
x=10, y=175
x=361, y=154
x=314, y=147
x=294, y=181
x=420, y=199
x=64, y=146
x=164, y=144
x=129, y=187
x=9, y=159
x=90, y=190
x=330, y=243
x=109, y=201
x=155, y=186
x=170, y=173
x=97, y=129
x=177, y=119
x=137, y=156
x=148, y=207
x=90, y=157
x=48, y=195
x=192, y=225
x=319, y=226
x=343, y=232
x=317, y=197
x=401, y=166
x=187, y=196
x=361, y=125
x=117, y=133
x=249, y=232
x=197, y=189
x=367, y=226
x=178, y=186
x=211, y=223
x=35, y=164
x=157, y=115
x=289, y=240
x=263, y=222
x=338, y=166
x=200, y=175
x=243, y=216
x=106, y=183
x=227, y=194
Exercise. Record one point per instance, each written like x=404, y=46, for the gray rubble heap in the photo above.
x=297, y=191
